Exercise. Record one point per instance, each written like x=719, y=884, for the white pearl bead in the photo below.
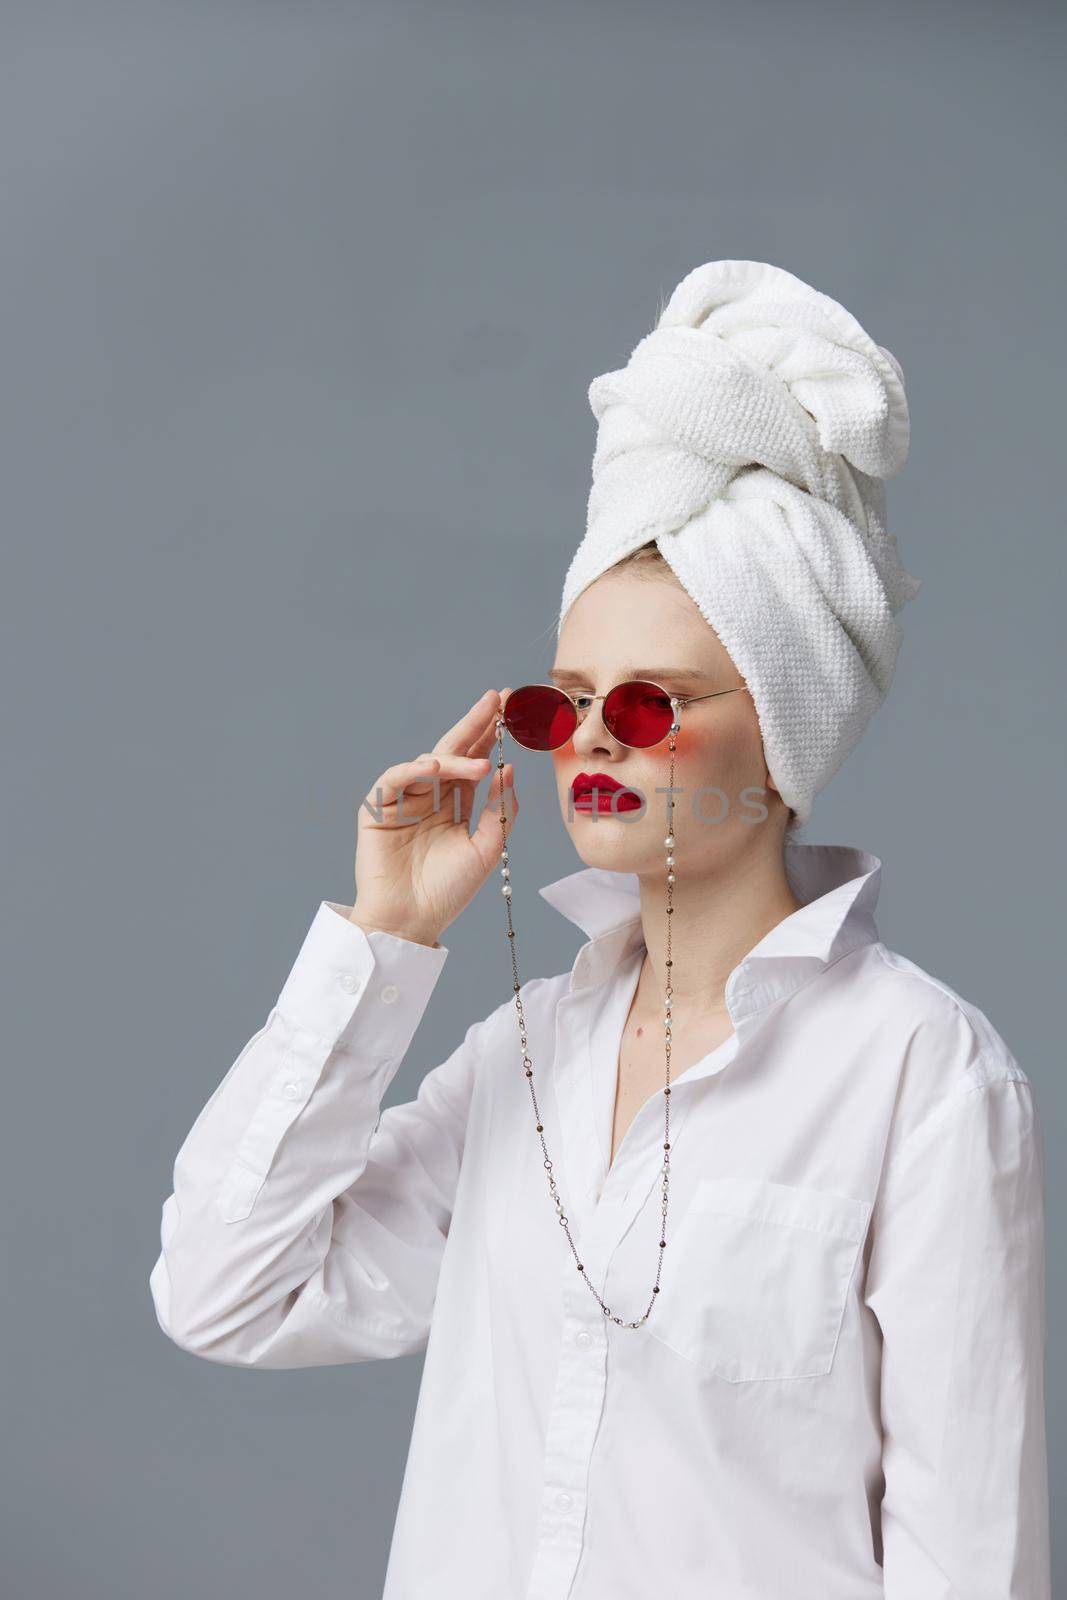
x=669, y=841
x=506, y=889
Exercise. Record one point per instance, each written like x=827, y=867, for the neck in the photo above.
x=719, y=916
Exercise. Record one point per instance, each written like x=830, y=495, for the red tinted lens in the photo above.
x=540, y=717
x=638, y=714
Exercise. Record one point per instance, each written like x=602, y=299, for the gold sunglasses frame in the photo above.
x=678, y=703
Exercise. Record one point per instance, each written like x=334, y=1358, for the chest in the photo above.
x=641, y=1069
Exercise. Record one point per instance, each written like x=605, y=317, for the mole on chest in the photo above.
x=642, y=1067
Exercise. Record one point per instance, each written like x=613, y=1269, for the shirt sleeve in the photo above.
x=956, y=1279
x=306, y=1226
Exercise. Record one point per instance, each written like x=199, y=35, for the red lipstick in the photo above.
x=584, y=798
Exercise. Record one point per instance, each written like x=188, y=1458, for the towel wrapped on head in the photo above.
x=749, y=435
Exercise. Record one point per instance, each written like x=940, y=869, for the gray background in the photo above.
x=300, y=304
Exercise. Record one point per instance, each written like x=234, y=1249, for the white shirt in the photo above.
x=839, y=1393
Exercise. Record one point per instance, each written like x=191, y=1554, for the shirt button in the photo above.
x=389, y=992
x=348, y=983
x=292, y=1090
x=563, y=1500
x=584, y=1339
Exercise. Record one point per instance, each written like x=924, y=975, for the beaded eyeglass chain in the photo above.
x=505, y=873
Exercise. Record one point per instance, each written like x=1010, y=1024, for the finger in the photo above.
x=417, y=776
x=462, y=734
x=480, y=747
x=488, y=837
x=488, y=737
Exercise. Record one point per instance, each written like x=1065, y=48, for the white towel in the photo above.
x=749, y=435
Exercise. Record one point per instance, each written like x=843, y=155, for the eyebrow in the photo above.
x=657, y=674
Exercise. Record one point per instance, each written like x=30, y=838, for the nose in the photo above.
x=591, y=736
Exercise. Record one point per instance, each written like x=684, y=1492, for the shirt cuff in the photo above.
x=340, y=969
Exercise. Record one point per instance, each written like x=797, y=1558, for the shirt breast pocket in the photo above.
x=756, y=1278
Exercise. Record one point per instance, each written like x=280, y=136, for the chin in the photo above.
x=617, y=846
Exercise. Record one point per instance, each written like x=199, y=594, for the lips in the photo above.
x=606, y=790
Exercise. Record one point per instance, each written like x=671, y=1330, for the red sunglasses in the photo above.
x=637, y=713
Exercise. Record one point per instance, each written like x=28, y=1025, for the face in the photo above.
x=622, y=626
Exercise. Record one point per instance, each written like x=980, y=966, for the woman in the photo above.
x=728, y=1260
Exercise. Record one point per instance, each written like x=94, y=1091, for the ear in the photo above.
x=769, y=783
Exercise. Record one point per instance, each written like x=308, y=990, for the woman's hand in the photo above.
x=415, y=874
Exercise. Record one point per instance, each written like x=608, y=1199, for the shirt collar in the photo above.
x=837, y=886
